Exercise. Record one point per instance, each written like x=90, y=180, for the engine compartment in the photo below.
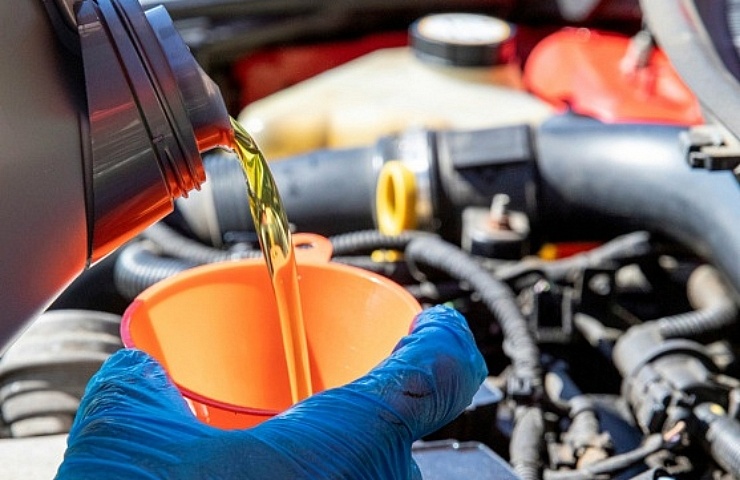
x=587, y=229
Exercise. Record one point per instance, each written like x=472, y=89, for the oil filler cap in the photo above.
x=462, y=40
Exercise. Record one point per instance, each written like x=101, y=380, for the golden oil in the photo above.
x=271, y=224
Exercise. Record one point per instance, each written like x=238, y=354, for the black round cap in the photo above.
x=462, y=39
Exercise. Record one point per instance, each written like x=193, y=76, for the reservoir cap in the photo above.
x=462, y=39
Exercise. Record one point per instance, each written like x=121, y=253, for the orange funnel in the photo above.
x=216, y=330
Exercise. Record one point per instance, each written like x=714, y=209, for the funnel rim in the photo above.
x=222, y=405
x=155, y=294
x=155, y=290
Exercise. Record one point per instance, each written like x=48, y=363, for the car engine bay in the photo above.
x=576, y=198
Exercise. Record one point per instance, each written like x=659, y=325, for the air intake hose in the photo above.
x=597, y=180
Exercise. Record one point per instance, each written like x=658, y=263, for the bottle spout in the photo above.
x=201, y=97
x=151, y=112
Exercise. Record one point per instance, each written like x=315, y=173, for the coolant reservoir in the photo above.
x=460, y=72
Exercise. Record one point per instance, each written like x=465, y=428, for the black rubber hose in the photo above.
x=397, y=271
x=722, y=434
x=329, y=191
x=584, y=429
x=698, y=322
x=621, y=250
x=525, y=447
x=228, y=190
x=519, y=343
x=365, y=241
x=173, y=244
x=584, y=434
x=603, y=180
x=324, y=191
x=611, y=465
x=715, y=308
x=138, y=267
x=643, y=353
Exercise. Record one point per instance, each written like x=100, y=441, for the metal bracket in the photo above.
x=706, y=148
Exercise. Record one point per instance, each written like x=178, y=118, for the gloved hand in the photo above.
x=132, y=422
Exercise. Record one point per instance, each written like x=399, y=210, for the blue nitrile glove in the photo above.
x=133, y=423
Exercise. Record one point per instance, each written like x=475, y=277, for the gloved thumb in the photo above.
x=432, y=375
x=365, y=429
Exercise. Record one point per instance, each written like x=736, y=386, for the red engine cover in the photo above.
x=593, y=73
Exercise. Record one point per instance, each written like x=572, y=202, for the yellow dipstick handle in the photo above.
x=395, y=198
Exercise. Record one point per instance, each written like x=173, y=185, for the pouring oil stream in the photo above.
x=271, y=224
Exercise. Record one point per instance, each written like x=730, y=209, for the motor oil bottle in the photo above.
x=103, y=115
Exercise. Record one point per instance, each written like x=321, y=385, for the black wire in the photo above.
x=173, y=244
x=366, y=241
x=519, y=343
x=138, y=267
x=605, y=468
x=621, y=250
